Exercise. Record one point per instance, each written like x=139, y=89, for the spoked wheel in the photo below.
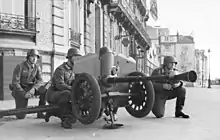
x=86, y=98
x=142, y=100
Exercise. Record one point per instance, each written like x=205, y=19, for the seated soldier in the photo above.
x=26, y=82
x=166, y=90
x=59, y=92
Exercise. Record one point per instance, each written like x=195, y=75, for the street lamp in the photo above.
x=209, y=81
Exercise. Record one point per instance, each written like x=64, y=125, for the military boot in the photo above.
x=40, y=115
x=47, y=116
x=50, y=114
x=70, y=113
x=179, y=107
x=66, y=122
x=42, y=102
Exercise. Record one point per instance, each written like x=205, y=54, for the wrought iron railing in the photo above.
x=75, y=37
x=141, y=5
x=136, y=21
x=17, y=23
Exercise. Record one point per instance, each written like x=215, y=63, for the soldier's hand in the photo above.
x=179, y=84
x=176, y=85
x=28, y=96
x=167, y=86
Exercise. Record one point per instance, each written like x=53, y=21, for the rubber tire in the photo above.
x=96, y=103
x=150, y=99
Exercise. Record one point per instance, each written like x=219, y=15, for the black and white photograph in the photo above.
x=109, y=70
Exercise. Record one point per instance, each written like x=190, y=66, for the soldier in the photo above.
x=26, y=82
x=59, y=92
x=166, y=90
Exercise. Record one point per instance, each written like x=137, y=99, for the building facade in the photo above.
x=54, y=26
x=119, y=25
x=201, y=67
x=153, y=55
x=182, y=48
x=50, y=26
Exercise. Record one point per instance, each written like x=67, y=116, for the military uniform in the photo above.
x=162, y=95
x=25, y=78
x=59, y=92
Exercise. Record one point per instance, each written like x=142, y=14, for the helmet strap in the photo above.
x=30, y=63
x=70, y=63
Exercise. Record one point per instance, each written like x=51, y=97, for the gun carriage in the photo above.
x=103, y=83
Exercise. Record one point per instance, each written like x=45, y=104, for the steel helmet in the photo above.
x=73, y=52
x=33, y=52
x=169, y=59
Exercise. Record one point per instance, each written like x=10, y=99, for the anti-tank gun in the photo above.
x=105, y=82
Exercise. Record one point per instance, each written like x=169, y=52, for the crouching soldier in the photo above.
x=59, y=92
x=166, y=90
x=26, y=81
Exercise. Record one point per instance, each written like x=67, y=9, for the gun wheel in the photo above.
x=142, y=100
x=86, y=98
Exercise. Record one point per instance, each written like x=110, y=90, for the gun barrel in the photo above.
x=28, y=110
x=190, y=76
x=112, y=80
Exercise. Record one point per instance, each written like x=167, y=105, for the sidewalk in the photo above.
x=212, y=86
x=202, y=105
x=10, y=104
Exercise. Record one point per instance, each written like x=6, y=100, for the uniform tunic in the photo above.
x=26, y=77
x=60, y=88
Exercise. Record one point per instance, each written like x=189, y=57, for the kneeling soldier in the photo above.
x=26, y=81
x=59, y=92
x=167, y=90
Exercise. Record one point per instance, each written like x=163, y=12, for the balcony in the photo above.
x=141, y=7
x=124, y=14
x=75, y=38
x=17, y=24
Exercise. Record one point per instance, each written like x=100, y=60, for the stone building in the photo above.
x=181, y=47
x=121, y=26
x=53, y=26
x=153, y=55
x=50, y=26
x=201, y=67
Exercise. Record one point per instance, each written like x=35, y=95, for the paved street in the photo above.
x=202, y=104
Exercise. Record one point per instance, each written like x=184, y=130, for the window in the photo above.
x=74, y=22
x=17, y=7
x=29, y=8
x=17, y=14
x=74, y=15
x=28, y=11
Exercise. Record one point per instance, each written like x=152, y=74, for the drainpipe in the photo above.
x=144, y=57
x=85, y=24
x=103, y=27
x=53, y=46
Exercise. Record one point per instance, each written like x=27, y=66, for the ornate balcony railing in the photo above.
x=10, y=23
x=132, y=18
x=141, y=7
x=75, y=38
x=135, y=19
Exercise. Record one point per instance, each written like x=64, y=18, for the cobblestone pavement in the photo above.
x=202, y=104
